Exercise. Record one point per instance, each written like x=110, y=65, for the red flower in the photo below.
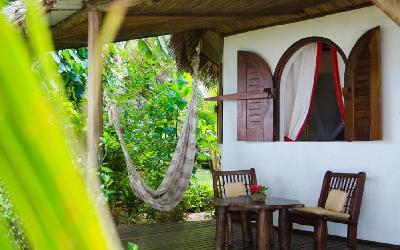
x=257, y=189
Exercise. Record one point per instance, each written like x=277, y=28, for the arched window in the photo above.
x=310, y=76
x=315, y=94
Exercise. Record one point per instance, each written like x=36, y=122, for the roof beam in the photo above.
x=273, y=6
x=390, y=7
x=209, y=15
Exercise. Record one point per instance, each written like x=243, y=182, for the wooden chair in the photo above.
x=353, y=184
x=248, y=177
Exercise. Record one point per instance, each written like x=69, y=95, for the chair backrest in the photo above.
x=220, y=178
x=353, y=184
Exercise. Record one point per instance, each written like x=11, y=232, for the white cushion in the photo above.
x=234, y=189
x=336, y=200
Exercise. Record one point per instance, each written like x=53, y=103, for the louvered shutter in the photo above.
x=255, y=117
x=362, y=90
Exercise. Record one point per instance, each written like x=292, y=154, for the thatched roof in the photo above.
x=15, y=13
x=226, y=17
x=184, y=46
x=56, y=10
x=145, y=18
x=189, y=19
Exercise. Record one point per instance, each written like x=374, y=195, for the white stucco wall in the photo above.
x=296, y=170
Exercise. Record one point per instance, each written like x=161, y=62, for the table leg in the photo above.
x=229, y=229
x=220, y=228
x=284, y=230
x=245, y=228
x=263, y=229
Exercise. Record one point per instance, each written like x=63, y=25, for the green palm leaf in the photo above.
x=37, y=166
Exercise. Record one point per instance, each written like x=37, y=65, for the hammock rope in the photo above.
x=176, y=181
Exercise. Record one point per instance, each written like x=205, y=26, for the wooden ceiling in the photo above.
x=147, y=18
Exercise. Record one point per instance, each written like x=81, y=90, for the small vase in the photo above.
x=258, y=197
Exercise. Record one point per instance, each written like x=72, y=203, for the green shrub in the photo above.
x=141, y=77
x=195, y=199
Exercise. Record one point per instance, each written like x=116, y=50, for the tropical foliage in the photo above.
x=141, y=77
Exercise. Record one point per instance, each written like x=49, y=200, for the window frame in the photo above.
x=281, y=65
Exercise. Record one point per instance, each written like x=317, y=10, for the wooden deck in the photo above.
x=200, y=236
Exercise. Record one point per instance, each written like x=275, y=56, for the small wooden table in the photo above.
x=264, y=210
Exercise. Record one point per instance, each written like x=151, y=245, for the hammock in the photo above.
x=176, y=181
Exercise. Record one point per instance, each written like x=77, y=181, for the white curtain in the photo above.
x=297, y=85
x=342, y=67
x=338, y=67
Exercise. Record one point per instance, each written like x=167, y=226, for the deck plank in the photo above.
x=199, y=235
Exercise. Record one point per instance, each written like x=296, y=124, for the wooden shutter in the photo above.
x=362, y=90
x=255, y=117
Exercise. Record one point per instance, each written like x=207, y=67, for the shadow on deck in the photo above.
x=199, y=235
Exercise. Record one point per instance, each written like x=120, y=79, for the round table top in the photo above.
x=245, y=202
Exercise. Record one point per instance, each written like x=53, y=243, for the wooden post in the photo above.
x=95, y=89
x=390, y=7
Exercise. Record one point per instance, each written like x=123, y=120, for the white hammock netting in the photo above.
x=176, y=181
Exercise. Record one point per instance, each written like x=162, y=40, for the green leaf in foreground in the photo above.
x=37, y=168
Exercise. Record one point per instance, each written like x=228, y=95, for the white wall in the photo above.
x=295, y=170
